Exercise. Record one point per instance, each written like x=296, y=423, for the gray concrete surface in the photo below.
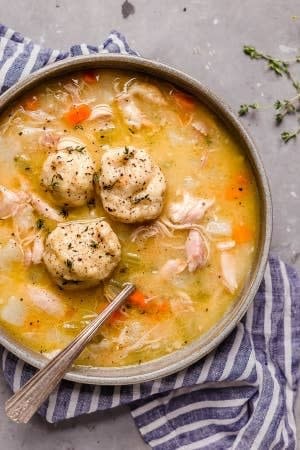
x=203, y=38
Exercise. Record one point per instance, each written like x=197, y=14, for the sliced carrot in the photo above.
x=31, y=103
x=77, y=114
x=138, y=299
x=89, y=77
x=242, y=234
x=117, y=316
x=184, y=101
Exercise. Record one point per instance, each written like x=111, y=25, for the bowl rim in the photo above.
x=197, y=349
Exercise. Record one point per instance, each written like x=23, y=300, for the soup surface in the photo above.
x=190, y=251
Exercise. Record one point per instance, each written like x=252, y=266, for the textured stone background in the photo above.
x=204, y=38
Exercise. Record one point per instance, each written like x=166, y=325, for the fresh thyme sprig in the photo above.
x=282, y=107
x=286, y=136
x=245, y=108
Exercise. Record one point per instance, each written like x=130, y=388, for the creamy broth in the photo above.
x=200, y=160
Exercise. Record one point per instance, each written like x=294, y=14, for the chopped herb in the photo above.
x=64, y=211
x=69, y=264
x=107, y=187
x=96, y=178
x=78, y=149
x=78, y=127
x=128, y=153
x=54, y=181
x=40, y=224
x=69, y=245
x=131, y=130
x=139, y=199
x=94, y=244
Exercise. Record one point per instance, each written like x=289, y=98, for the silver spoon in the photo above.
x=24, y=403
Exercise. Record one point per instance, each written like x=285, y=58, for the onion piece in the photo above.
x=69, y=142
x=219, y=228
x=14, y=311
x=225, y=245
x=228, y=268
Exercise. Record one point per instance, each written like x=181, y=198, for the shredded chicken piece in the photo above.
x=133, y=116
x=145, y=232
x=190, y=209
x=145, y=91
x=28, y=237
x=101, y=111
x=49, y=139
x=9, y=203
x=196, y=251
x=44, y=208
x=181, y=302
x=45, y=300
x=102, y=115
x=172, y=267
x=126, y=100
x=38, y=116
x=228, y=268
x=73, y=90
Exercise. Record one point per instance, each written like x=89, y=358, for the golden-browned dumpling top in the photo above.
x=80, y=254
x=68, y=175
x=132, y=186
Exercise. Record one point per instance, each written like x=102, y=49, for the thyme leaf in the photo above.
x=282, y=107
x=245, y=108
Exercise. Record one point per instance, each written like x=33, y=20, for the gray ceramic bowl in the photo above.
x=200, y=347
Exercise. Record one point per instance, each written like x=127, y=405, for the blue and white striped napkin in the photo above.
x=241, y=396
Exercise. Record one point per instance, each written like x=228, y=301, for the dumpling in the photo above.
x=80, y=254
x=132, y=186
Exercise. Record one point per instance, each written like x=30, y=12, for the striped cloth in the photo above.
x=241, y=396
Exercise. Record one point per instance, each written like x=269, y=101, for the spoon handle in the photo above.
x=26, y=401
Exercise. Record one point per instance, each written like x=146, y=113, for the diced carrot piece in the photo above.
x=184, y=101
x=242, y=234
x=138, y=299
x=77, y=114
x=237, y=187
x=89, y=77
x=162, y=307
x=31, y=103
x=242, y=180
x=70, y=312
x=116, y=316
x=233, y=193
